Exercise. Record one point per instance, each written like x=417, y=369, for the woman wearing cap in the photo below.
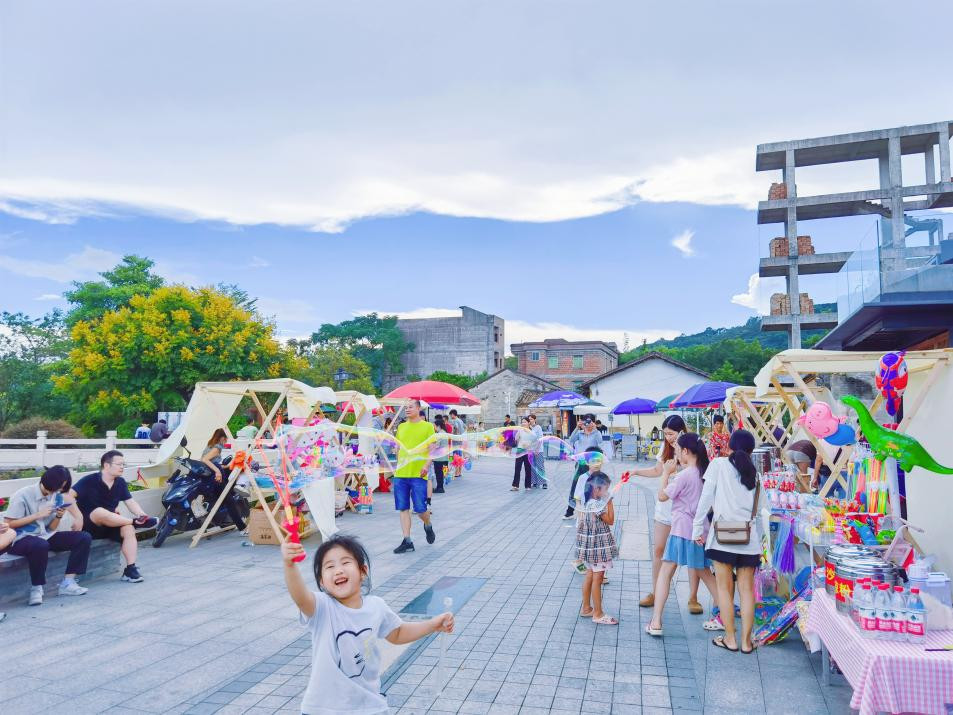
x=672, y=428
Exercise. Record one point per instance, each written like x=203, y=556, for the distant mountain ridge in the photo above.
x=751, y=330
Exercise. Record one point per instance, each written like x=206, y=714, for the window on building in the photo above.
x=534, y=356
x=577, y=362
x=496, y=333
x=496, y=360
x=553, y=362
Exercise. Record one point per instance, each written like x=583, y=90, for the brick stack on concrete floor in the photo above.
x=805, y=247
x=777, y=191
x=104, y=560
x=807, y=305
x=780, y=304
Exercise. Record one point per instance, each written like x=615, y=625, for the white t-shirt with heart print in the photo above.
x=345, y=659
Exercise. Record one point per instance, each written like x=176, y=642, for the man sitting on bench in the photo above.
x=98, y=496
x=33, y=516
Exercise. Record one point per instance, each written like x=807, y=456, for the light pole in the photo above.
x=341, y=376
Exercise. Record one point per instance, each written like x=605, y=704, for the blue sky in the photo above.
x=413, y=157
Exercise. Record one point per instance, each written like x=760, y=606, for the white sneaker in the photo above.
x=36, y=595
x=71, y=588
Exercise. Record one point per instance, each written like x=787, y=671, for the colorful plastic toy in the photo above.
x=820, y=421
x=892, y=380
x=886, y=443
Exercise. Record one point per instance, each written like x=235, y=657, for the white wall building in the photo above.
x=652, y=376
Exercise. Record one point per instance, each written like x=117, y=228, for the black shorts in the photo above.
x=101, y=532
x=734, y=560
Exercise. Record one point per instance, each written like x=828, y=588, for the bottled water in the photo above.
x=866, y=613
x=899, y=606
x=916, y=628
x=882, y=604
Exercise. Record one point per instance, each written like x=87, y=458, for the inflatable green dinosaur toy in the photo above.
x=886, y=443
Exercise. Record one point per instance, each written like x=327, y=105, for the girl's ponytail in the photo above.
x=694, y=444
x=742, y=445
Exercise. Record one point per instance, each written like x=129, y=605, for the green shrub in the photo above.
x=127, y=429
x=55, y=429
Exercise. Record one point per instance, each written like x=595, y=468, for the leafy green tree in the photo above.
x=730, y=359
x=374, y=340
x=149, y=354
x=512, y=362
x=31, y=349
x=464, y=381
x=92, y=299
x=321, y=363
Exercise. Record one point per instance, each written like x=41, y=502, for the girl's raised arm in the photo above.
x=608, y=516
x=300, y=593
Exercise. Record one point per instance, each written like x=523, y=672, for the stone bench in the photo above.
x=104, y=560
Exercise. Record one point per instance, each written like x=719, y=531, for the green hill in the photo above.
x=732, y=354
x=751, y=330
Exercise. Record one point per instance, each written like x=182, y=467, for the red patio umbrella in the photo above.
x=435, y=391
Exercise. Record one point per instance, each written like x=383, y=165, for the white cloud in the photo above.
x=567, y=117
x=74, y=267
x=290, y=310
x=258, y=262
x=683, y=242
x=758, y=295
x=49, y=296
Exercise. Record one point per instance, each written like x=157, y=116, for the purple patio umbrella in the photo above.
x=559, y=398
x=636, y=406
x=704, y=394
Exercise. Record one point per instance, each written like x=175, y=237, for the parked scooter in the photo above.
x=190, y=492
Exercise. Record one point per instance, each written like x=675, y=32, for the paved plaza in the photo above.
x=212, y=629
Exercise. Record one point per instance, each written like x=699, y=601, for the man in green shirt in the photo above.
x=410, y=478
x=249, y=431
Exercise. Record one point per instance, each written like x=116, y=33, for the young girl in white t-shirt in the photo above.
x=345, y=625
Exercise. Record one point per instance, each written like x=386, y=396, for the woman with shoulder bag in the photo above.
x=734, y=543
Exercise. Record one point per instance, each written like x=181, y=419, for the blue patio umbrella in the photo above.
x=636, y=406
x=704, y=394
x=559, y=398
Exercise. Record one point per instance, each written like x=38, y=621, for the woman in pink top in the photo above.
x=684, y=489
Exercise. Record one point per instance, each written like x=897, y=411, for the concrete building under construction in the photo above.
x=885, y=296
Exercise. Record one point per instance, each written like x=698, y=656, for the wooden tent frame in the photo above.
x=801, y=392
x=268, y=422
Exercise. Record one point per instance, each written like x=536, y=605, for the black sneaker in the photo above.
x=405, y=546
x=144, y=522
x=431, y=536
x=131, y=574
x=438, y=490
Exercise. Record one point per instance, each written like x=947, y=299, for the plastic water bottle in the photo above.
x=866, y=612
x=916, y=628
x=899, y=606
x=882, y=603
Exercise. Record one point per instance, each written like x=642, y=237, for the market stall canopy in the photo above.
x=595, y=408
x=434, y=391
x=635, y=406
x=214, y=403
x=666, y=402
x=704, y=394
x=559, y=398
x=461, y=409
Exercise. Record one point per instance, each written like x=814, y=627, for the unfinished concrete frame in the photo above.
x=885, y=145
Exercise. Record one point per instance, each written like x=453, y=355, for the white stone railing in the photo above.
x=72, y=453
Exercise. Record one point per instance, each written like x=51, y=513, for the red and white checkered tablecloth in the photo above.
x=887, y=676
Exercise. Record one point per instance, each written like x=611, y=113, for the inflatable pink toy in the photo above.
x=820, y=421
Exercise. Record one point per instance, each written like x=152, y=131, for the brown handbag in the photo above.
x=737, y=533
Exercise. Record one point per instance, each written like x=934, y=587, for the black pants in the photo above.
x=522, y=462
x=580, y=470
x=230, y=506
x=36, y=551
x=440, y=471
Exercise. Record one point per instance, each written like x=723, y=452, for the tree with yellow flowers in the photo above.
x=148, y=354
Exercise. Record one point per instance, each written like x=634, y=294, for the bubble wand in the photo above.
x=442, y=667
x=292, y=523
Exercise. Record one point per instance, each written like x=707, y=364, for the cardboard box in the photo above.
x=261, y=533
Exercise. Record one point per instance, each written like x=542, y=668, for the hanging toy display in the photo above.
x=892, y=379
x=884, y=443
x=820, y=421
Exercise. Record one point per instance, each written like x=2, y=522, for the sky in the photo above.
x=582, y=170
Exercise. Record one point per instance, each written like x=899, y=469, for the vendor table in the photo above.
x=887, y=676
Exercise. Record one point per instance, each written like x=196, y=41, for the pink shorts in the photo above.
x=601, y=566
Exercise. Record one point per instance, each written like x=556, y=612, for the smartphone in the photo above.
x=63, y=506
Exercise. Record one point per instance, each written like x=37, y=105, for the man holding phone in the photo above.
x=34, y=514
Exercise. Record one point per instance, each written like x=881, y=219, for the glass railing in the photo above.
x=875, y=273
